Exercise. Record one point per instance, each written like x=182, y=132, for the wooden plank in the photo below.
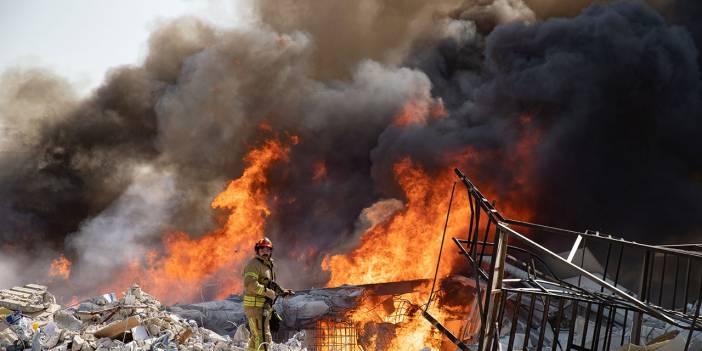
x=117, y=328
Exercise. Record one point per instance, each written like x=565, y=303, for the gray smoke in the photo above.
x=118, y=234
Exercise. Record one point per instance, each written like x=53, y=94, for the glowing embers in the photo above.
x=332, y=335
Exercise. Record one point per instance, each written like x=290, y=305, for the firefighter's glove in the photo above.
x=288, y=292
x=270, y=294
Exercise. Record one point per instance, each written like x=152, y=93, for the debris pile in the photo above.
x=32, y=319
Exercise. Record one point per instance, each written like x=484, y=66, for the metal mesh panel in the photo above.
x=335, y=336
x=402, y=309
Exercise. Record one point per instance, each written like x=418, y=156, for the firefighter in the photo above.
x=260, y=291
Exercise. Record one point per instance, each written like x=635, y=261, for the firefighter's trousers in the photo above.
x=259, y=325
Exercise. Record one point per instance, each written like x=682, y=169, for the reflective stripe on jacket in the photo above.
x=258, y=273
x=254, y=301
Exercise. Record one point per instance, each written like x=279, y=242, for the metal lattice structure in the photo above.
x=331, y=335
x=531, y=298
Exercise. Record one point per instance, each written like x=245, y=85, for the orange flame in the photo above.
x=60, y=267
x=186, y=264
x=405, y=247
x=412, y=332
x=417, y=111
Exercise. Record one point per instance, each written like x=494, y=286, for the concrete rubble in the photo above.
x=31, y=319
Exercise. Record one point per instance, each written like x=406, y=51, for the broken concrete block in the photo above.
x=10, y=301
x=66, y=320
x=136, y=291
x=50, y=335
x=77, y=343
x=30, y=298
x=154, y=329
x=49, y=298
x=8, y=337
x=46, y=313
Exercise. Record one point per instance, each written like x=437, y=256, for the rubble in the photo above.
x=31, y=299
x=31, y=319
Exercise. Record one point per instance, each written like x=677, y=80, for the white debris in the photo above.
x=138, y=321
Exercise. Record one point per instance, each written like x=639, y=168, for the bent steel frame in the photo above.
x=531, y=297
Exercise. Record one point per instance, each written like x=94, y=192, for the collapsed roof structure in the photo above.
x=642, y=295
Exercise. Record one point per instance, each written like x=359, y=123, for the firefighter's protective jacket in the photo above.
x=258, y=274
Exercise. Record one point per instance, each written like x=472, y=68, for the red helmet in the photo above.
x=265, y=242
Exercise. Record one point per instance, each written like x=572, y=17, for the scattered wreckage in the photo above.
x=545, y=288
x=137, y=321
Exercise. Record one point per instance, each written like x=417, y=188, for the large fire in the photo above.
x=395, y=323
x=217, y=256
x=402, y=245
x=406, y=246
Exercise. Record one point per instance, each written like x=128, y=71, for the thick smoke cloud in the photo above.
x=345, y=33
x=687, y=13
x=30, y=102
x=613, y=95
x=189, y=115
x=624, y=91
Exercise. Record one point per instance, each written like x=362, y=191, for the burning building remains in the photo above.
x=520, y=296
x=523, y=295
x=340, y=145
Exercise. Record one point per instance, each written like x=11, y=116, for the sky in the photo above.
x=82, y=39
